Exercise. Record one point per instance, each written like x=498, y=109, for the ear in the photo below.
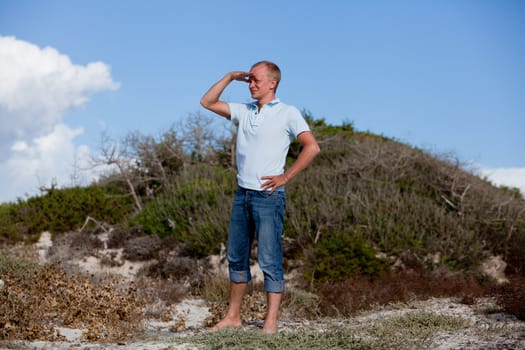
x=274, y=84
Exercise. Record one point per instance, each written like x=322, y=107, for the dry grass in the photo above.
x=360, y=293
x=216, y=288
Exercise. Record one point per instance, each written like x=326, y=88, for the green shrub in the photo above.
x=404, y=201
x=8, y=223
x=335, y=258
x=194, y=210
x=17, y=268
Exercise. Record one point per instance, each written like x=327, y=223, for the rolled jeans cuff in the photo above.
x=240, y=276
x=274, y=286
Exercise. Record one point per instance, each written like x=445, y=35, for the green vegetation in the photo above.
x=240, y=339
x=193, y=209
x=17, y=268
x=334, y=258
x=364, y=194
x=366, y=203
x=414, y=330
x=62, y=210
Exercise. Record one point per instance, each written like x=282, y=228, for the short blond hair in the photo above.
x=273, y=70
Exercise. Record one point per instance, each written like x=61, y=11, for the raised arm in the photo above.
x=211, y=101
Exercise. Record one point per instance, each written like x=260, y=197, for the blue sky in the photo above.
x=446, y=76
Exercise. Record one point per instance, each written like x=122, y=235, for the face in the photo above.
x=262, y=86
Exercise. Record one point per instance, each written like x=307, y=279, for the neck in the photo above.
x=265, y=100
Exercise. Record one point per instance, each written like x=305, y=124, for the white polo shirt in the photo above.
x=263, y=139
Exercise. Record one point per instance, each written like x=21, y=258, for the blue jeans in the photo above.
x=259, y=215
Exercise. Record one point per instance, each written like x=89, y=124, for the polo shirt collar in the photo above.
x=272, y=103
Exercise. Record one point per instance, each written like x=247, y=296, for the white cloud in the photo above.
x=38, y=87
x=42, y=161
x=510, y=177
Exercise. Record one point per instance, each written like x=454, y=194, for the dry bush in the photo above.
x=33, y=304
x=173, y=267
x=138, y=246
x=180, y=267
x=511, y=296
x=85, y=242
x=361, y=293
x=514, y=254
x=121, y=235
x=72, y=246
x=142, y=248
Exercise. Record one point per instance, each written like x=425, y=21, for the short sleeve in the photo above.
x=296, y=123
x=236, y=110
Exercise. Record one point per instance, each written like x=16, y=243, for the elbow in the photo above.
x=204, y=103
x=207, y=102
x=316, y=149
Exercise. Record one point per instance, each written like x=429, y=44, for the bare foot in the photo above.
x=225, y=323
x=269, y=328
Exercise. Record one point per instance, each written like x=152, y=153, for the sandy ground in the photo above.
x=496, y=331
x=486, y=331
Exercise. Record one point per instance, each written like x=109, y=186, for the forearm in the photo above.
x=307, y=155
x=212, y=96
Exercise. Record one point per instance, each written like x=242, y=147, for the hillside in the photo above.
x=386, y=195
x=373, y=221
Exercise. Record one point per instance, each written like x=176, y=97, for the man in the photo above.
x=265, y=130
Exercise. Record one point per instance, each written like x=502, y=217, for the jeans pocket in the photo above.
x=277, y=195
